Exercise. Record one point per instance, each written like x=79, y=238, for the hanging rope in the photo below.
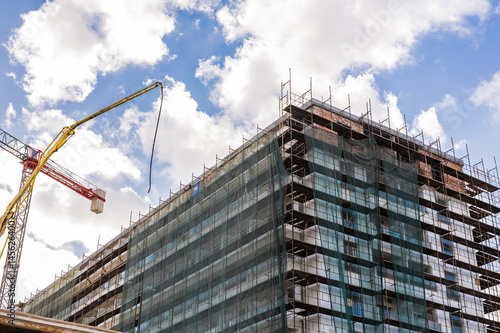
x=154, y=139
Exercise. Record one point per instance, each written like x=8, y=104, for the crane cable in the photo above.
x=150, y=163
x=154, y=139
x=63, y=136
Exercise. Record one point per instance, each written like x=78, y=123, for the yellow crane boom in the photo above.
x=57, y=143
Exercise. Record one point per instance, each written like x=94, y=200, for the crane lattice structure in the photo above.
x=29, y=158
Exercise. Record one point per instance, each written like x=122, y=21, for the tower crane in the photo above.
x=17, y=208
x=29, y=158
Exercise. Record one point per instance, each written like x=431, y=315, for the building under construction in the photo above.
x=322, y=222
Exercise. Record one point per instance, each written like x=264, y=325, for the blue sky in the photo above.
x=222, y=63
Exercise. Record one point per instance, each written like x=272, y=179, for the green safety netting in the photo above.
x=212, y=259
x=345, y=178
x=402, y=195
x=55, y=301
x=346, y=189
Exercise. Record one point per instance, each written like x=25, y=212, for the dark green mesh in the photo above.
x=346, y=186
x=211, y=260
x=56, y=300
x=345, y=177
x=406, y=240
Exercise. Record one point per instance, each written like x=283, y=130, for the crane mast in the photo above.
x=12, y=262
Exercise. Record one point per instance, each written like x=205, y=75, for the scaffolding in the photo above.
x=89, y=293
x=430, y=264
x=212, y=257
x=324, y=221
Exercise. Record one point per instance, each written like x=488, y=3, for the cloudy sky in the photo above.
x=434, y=62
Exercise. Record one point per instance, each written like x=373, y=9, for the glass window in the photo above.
x=349, y=217
x=351, y=248
x=447, y=246
x=384, y=225
x=443, y=218
x=382, y=194
x=356, y=303
x=352, y=267
x=451, y=293
x=441, y=201
x=456, y=324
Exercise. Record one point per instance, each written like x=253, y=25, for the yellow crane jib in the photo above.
x=57, y=143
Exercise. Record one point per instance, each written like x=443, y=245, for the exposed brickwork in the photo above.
x=424, y=169
x=336, y=118
x=453, y=165
x=455, y=184
x=450, y=181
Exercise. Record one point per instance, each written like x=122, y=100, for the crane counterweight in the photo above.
x=97, y=204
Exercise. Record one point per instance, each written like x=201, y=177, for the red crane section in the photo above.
x=65, y=177
x=29, y=158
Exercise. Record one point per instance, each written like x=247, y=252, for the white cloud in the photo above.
x=206, y=6
x=132, y=117
x=50, y=121
x=187, y=137
x=9, y=177
x=369, y=26
x=247, y=85
x=65, y=44
x=208, y=69
x=487, y=93
x=77, y=247
x=306, y=37
x=460, y=144
x=12, y=75
x=44, y=263
x=453, y=113
x=428, y=123
x=448, y=101
x=362, y=90
x=86, y=153
x=10, y=114
x=55, y=207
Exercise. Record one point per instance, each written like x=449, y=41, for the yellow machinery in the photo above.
x=57, y=143
x=8, y=218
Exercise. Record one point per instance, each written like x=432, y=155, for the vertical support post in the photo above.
x=13, y=257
